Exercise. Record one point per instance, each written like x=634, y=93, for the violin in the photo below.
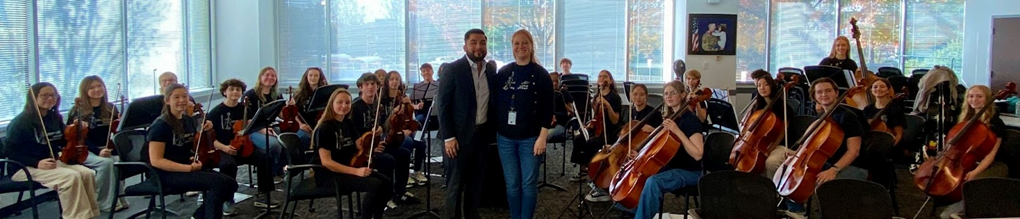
x=698, y=96
x=205, y=149
x=366, y=142
x=796, y=179
x=876, y=123
x=242, y=143
x=1009, y=91
x=114, y=122
x=969, y=143
x=597, y=124
x=760, y=136
x=608, y=161
x=658, y=150
x=290, y=115
x=75, y=152
x=865, y=77
x=401, y=119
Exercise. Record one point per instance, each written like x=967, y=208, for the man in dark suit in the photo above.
x=463, y=102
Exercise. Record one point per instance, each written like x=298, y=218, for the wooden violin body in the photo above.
x=75, y=152
x=206, y=149
x=289, y=115
x=242, y=143
x=597, y=124
x=943, y=177
x=366, y=143
x=864, y=77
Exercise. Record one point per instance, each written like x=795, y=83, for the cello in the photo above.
x=75, y=152
x=969, y=143
x=242, y=143
x=658, y=150
x=1005, y=93
x=608, y=161
x=865, y=77
x=760, y=136
x=205, y=151
x=798, y=175
x=876, y=123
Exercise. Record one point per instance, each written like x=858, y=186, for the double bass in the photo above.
x=759, y=136
x=75, y=152
x=969, y=143
x=658, y=150
x=865, y=77
x=242, y=143
x=608, y=161
x=799, y=173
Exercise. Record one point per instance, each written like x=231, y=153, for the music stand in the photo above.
x=321, y=96
x=426, y=132
x=141, y=112
x=843, y=78
x=425, y=91
x=263, y=118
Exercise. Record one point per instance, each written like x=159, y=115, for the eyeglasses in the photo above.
x=669, y=93
x=47, y=96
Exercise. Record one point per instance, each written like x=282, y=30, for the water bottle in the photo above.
x=1016, y=108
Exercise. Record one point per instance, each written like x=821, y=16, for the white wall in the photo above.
x=977, y=36
x=245, y=39
x=716, y=71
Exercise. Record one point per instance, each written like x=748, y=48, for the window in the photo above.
x=503, y=18
x=436, y=36
x=366, y=35
x=125, y=42
x=593, y=49
x=752, y=19
x=934, y=35
x=644, y=45
x=78, y=39
x=14, y=56
x=879, y=23
x=302, y=30
x=802, y=32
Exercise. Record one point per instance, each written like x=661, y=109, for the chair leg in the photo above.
x=116, y=194
x=251, y=174
x=350, y=204
x=661, y=202
x=687, y=204
x=152, y=204
x=162, y=205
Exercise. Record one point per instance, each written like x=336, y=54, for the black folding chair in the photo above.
x=715, y=158
x=129, y=143
x=305, y=186
x=991, y=198
x=8, y=185
x=734, y=194
x=851, y=198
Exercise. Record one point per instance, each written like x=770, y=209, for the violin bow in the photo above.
x=375, y=123
x=111, y=118
x=201, y=128
x=42, y=124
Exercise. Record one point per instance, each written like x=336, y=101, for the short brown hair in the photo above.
x=367, y=77
x=567, y=60
x=233, y=82
x=815, y=83
x=424, y=66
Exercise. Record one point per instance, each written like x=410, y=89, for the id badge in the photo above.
x=511, y=118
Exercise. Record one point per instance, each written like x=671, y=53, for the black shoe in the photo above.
x=262, y=201
x=407, y=198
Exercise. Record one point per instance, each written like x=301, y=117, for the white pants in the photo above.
x=75, y=184
x=105, y=179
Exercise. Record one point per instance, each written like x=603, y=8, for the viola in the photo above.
x=1009, y=91
x=798, y=175
x=401, y=119
x=367, y=142
x=759, y=137
x=627, y=184
x=75, y=152
x=205, y=150
x=242, y=143
x=608, y=161
x=876, y=123
x=290, y=114
x=969, y=142
x=865, y=77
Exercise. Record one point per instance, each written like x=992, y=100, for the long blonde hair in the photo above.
x=258, y=84
x=680, y=87
x=106, y=108
x=328, y=113
x=969, y=112
x=832, y=52
x=527, y=35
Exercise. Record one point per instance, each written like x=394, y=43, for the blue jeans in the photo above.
x=558, y=131
x=275, y=151
x=419, y=151
x=520, y=170
x=659, y=184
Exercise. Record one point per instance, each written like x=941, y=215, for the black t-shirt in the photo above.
x=223, y=118
x=615, y=103
x=852, y=127
x=777, y=108
x=26, y=141
x=560, y=101
x=893, y=115
x=655, y=120
x=846, y=64
x=997, y=126
x=529, y=89
x=338, y=137
x=363, y=114
x=99, y=126
x=256, y=103
x=179, y=147
x=689, y=125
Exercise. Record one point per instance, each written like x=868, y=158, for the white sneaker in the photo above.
x=391, y=205
x=597, y=196
x=192, y=193
x=411, y=182
x=420, y=177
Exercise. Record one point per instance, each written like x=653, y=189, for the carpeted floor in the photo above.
x=551, y=202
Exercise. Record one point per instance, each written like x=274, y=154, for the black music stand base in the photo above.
x=582, y=205
x=428, y=171
x=545, y=177
x=263, y=118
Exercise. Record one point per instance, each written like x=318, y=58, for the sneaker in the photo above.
x=420, y=177
x=277, y=179
x=408, y=198
x=579, y=177
x=228, y=209
x=411, y=182
x=390, y=205
x=262, y=200
x=597, y=195
x=192, y=193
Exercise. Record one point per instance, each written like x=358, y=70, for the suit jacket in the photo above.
x=456, y=101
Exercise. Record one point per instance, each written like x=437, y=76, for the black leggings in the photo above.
x=217, y=187
x=228, y=166
x=377, y=189
x=584, y=150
